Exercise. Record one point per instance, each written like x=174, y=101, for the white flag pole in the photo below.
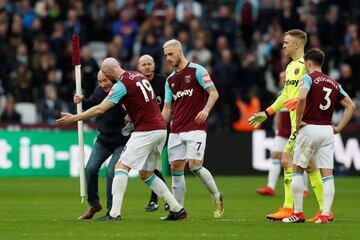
x=77, y=65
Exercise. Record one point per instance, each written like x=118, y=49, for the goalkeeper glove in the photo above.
x=291, y=104
x=256, y=119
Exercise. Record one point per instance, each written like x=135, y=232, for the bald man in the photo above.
x=146, y=65
x=144, y=147
x=109, y=142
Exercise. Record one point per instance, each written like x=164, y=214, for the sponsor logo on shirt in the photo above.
x=186, y=92
x=292, y=82
x=206, y=78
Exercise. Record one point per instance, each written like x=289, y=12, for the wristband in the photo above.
x=269, y=112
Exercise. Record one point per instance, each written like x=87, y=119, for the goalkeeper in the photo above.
x=294, y=44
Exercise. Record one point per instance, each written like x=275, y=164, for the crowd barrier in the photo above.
x=55, y=153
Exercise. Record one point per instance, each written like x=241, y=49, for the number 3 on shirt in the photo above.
x=145, y=85
x=328, y=101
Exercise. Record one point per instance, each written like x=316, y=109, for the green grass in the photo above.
x=47, y=208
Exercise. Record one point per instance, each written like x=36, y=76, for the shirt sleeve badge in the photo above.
x=206, y=78
x=111, y=93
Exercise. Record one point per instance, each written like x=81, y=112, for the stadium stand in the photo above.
x=239, y=42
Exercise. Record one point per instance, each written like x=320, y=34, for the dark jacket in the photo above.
x=158, y=84
x=11, y=118
x=47, y=113
x=111, y=122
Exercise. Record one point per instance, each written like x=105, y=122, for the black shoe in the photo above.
x=152, y=206
x=166, y=207
x=173, y=216
x=103, y=218
x=108, y=218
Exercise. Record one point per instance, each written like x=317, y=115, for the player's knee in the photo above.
x=177, y=166
x=311, y=167
x=326, y=172
x=285, y=164
x=276, y=155
x=122, y=168
x=286, y=161
x=195, y=166
x=145, y=174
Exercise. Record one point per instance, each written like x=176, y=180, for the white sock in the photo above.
x=160, y=188
x=297, y=188
x=118, y=189
x=179, y=187
x=208, y=181
x=306, y=182
x=274, y=173
x=329, y=192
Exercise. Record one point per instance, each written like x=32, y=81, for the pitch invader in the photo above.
x=316, y=103
x=294, y=44
x=143, y=150
x=185, y=91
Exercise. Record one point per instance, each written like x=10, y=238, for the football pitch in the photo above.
x=48, y=208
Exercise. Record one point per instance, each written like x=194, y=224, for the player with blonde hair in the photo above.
x=186, y=92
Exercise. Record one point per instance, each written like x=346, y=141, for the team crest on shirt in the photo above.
x=297, y=70
x=188, y=78
x=172, y=85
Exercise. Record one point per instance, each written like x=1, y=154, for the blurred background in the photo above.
x=239, y=42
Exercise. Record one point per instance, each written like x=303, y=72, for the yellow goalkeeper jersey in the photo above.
x=293, y=73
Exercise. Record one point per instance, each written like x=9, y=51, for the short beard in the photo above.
x=177, y=64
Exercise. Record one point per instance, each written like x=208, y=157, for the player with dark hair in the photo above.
x=316, y=103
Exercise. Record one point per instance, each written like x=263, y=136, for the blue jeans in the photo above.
x=97, y=157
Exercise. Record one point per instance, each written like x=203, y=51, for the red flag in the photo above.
x=76, y=49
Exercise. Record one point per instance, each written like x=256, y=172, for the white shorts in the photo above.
x=158, y=165
x=187, y=145
x=315, y=142
x=279, y=144
x=143, y=150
